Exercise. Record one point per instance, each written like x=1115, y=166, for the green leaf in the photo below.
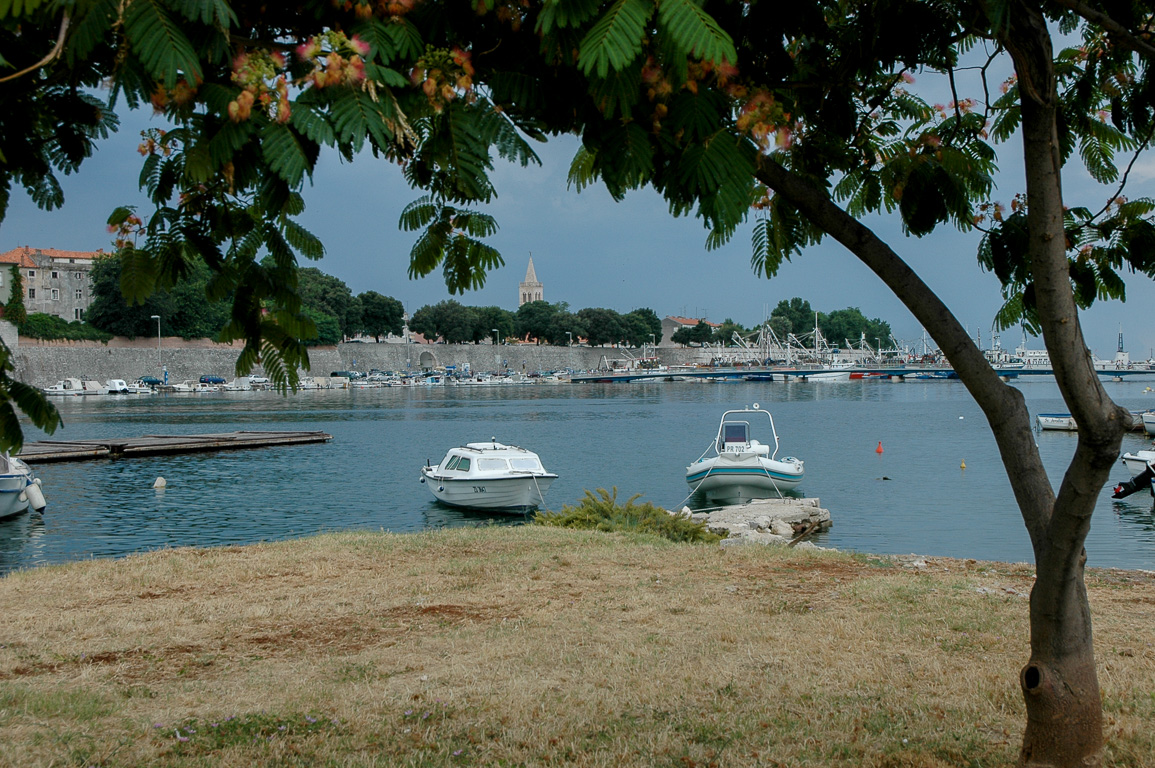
x=138, y=274
x=407, y=41
x=88, y=29
x=418, y=214
x=18, y=8
x=286, y=153
x=312, y=123
x=228, y=140
x=562, y=14
x=695, y=31
x=356, y=115
x=215, y=12
x=302, y=240
x=158, y=40
x=427, y=252
x=616, y=39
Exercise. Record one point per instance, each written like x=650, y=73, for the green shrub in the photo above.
x=605, y=514
x=39, y=325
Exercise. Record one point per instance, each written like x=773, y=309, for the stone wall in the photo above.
x=43, y=363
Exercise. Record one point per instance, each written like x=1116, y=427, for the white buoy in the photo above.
x=160, y=483
x=35, y=497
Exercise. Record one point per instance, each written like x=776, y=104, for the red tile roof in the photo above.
x=22, y=256
x=692, y=321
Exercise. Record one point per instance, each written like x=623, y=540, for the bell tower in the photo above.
x=530, y=289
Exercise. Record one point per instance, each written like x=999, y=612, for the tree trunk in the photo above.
x=1059, y=683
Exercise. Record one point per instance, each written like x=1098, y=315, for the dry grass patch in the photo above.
x=539, y=646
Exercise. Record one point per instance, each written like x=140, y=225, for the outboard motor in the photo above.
x=1135, y=484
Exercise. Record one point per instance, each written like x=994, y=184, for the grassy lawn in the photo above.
x=540, y=646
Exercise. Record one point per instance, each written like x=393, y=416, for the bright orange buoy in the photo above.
x=879, y=448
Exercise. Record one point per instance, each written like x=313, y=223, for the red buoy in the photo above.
x=879, y=448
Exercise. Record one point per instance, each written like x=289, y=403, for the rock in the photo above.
x=782, y=528
x=765, y=521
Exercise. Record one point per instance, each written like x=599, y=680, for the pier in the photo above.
x=754, y=373
x=46, y=451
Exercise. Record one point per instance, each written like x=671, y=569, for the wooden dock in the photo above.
x=160, y=445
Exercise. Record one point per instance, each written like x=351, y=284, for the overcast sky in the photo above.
x=589, y=251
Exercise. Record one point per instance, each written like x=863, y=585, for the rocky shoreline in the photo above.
x=786, y=521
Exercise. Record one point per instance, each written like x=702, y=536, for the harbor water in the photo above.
x=913, y=497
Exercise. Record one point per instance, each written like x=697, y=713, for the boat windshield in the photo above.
x=463, y=464
x=492, y=465
x=452, y=463
x=735, y=433
x=530, y=465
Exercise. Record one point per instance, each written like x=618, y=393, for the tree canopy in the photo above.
x=182, y=308
x=381, y=315
x=797, y=115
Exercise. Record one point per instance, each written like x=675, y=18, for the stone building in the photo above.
x=672, y=324
x=55, y=282
x=530, y=289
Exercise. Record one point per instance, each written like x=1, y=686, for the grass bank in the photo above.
x=539, y=646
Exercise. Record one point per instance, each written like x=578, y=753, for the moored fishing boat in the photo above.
x=490, y=476
x=742, y=468
x=1063, y=422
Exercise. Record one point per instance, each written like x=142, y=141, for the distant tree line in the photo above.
x=538, y=321
x=794, y=316
x=326, y=300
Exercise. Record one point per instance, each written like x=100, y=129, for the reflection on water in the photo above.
x=913, y=497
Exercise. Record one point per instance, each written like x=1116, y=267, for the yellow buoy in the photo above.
x=963, y=465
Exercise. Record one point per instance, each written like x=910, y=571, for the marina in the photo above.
x=912, y=498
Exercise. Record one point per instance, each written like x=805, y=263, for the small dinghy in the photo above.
x=489, y=476
x=741, y=468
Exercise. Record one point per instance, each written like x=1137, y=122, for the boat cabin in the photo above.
x=475, y=459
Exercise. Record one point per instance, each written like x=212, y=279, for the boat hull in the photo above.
x=1137, y=462
x=512, y=494
x=1062, y=422
x=738, y=478
x=15, y=481
x=1148, y=423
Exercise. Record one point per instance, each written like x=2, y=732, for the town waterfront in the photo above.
x=914, y=497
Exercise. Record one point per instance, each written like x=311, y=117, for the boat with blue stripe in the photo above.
x=736, y=468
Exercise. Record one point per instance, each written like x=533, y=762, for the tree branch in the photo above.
x=51, y=54
x=1004, y=406
x=1128, y=38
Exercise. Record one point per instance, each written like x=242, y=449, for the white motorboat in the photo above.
x=1063, y=422
x=741, y=468
x=1148, y=418
x=489, y=476
x=1141, y=465
x=19, y=488
x=1137, y=462
x=74, y=387
x=122, y=387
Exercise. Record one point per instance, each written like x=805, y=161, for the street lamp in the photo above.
x=567, y=333
x=158, y=358
x=498, y=342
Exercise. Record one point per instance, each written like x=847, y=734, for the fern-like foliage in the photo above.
x=695, y=32
x=616, y=39
x=161, y=44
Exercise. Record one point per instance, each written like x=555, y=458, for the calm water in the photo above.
x=914, y=497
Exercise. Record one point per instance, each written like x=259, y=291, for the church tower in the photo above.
x=530, y=289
